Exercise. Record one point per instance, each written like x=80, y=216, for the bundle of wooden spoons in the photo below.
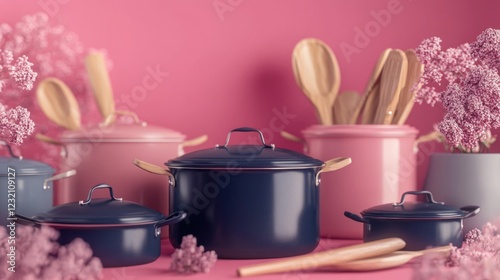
x=388, y=97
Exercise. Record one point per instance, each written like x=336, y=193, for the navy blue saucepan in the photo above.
x=248, y=201
x=120, y=233
x=419, y=224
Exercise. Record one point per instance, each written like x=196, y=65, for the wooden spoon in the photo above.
x=388, y=261
x=318, y=75
x=58, y=103
x=344, y=107
x=325, y=258
x=407, y=97
x=370, y=93
x=392, y=80
x=100, y=82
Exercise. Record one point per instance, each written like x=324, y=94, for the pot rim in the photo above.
x=411, y=218
x=121, y=140
x=245, y=168
x=25, y=167
x=76, y=225
x=352, y=131
x=123, y=132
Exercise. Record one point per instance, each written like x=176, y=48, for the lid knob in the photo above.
x=246, y=129
x=100, y=186
x=428, y=196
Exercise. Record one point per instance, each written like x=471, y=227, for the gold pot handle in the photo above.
x=155, y=169
x=289, y=136
x=195, y=141
x=332, y=165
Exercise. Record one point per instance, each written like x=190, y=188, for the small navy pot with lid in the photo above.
x=419, y=224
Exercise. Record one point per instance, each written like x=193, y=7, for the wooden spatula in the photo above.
x=407, y=97
x=344, y=106
x=370, y=88
x=326, y=258
x=371, y=103
x=388, y=261
x=392, y=81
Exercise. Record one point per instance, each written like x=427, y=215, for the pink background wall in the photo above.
x=228, y=61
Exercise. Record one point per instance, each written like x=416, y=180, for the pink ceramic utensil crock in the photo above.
x=383, y=168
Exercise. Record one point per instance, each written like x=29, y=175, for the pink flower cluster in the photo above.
x=479, y=258
x=55, y=52
x=472, y=93
x=39, y=256
x=15, y=72
x=192, y=259
x=15, y=124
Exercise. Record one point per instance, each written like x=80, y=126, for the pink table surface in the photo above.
x=226, y=269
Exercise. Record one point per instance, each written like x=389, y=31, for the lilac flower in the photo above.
x=472, y=108
x=470, y=76
x=428, y=53
x=55, y=52
x=39, y=256
x=192, y=259
x=18, y=74
x=486, y=48
x=15, y=124
x=22, y=73
x=479, y=258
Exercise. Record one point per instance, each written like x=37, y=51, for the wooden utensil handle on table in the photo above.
x=326, y=258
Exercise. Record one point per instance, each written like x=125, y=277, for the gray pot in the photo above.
x=464, y=179
x=25, y=186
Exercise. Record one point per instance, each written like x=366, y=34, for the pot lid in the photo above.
x=100, y=211
x=137, y=131
x=22, y=166
x=244, y=156
x=415, y=210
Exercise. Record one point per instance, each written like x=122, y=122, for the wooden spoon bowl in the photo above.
x=317, y=73
x=58, y=103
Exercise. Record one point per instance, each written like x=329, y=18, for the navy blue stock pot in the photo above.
x=248, y=201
